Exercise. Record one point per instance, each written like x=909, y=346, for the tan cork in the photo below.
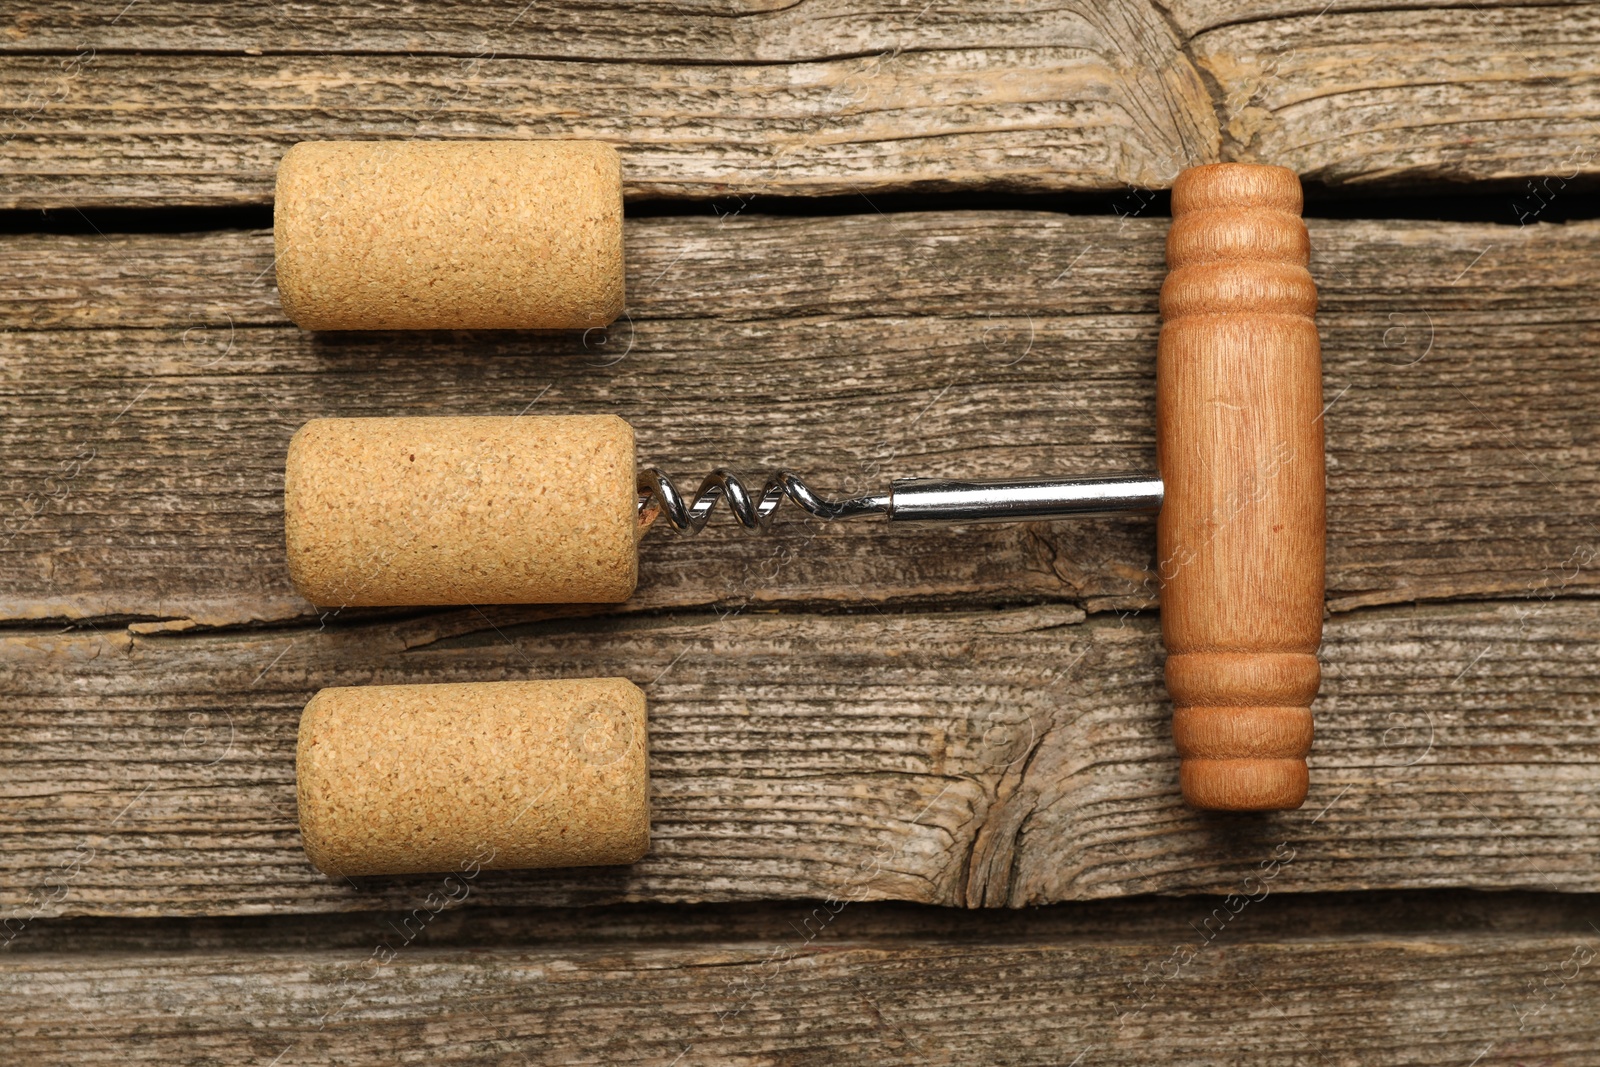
x=406, y=779
x=449, y=235
x=510, y=510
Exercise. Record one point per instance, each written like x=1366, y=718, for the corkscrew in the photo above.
x=551, y=509
x=908, y=499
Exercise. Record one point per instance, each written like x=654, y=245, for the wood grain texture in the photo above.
x=164, y=103
x=1240, y=539
x=808, y=99
x=148, y=386
x=789, y=937
x=826, y=998
x=1348, y=95
x=979, y=759
x=151, y=385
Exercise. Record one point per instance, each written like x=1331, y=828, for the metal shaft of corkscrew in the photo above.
x=908, y=499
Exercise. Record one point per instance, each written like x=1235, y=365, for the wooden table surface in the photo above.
x=914, y=793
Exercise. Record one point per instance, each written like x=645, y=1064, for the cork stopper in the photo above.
x=407, y=779
x=420, y=511
x=444, y=235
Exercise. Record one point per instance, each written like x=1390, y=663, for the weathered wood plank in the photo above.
x=990, y=758
x=152, y=386
x=165, y=104
x=731, y=31
x=1131, y=941
x=1346, y=97
x=828, y=998
x=811, y=99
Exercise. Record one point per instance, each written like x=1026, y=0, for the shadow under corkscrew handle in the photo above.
x=1239, y=443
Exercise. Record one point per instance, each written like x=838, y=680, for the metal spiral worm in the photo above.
x=659, y=497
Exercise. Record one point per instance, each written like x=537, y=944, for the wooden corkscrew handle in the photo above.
x=1239, y=443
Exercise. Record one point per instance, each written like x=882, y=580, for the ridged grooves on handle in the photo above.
x=1239, y=444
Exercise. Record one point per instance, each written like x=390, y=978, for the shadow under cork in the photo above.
x=562, y=349
x=429, y=895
